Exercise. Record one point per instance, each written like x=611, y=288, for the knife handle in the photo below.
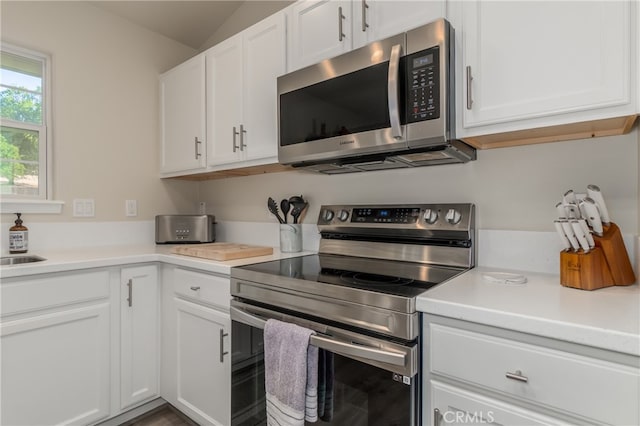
x=579, y=233
x=563, y=238
x=593, y=216
x=596, y=195
x=571, y=236
x=562, y=212
x=587, y=233
x=573, y=211
x=569, y=197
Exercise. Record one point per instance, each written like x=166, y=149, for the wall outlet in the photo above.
x=202, y=207
x=84, y=207
x=131, y=208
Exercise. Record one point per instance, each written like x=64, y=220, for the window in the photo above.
x=24, y=117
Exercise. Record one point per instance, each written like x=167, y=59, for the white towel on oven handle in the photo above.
x=291, y=374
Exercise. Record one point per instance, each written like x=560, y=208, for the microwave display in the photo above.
x=423, y=86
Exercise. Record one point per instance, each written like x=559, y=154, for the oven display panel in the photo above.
x=392, y=215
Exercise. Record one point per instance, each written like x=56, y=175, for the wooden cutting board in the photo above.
x=222, y=251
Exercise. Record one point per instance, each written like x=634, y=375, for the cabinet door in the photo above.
x=538, y=59
x=55, y=368
x=224, y=102
x=320, y=29
x=182, y=101
x=139, y=335
x=203, y=363
x=264, y=59
x=455, y=406
x=378, y=19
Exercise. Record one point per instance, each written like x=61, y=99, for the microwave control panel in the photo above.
x=423, y=85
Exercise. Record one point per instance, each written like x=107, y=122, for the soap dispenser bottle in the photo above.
x=18, y=237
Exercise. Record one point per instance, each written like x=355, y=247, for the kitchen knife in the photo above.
x=573, y=211
x=587, y=232
x=569, y=197
x=571, y=236
x=562, y=212
x=593, y=215
x=579, y=233
x=595, y=194
x=563, y=238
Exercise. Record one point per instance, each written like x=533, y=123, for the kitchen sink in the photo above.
x=17, y=260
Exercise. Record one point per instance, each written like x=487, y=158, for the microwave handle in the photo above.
x=394, y=104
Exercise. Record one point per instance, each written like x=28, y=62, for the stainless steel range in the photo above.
x=359, y=295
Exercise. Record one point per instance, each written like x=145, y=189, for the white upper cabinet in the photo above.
x=376, y=19
x=182, y=104
x=320, y=29
x=241, y=94
x=224, y=101
x=534, y=64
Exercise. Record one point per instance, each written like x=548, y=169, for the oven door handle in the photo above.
x=329, y=344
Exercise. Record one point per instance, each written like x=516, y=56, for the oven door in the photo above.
x=375, y=381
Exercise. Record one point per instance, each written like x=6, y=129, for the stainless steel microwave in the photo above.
x=389, y=104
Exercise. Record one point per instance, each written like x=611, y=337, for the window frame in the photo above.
x=43, y=202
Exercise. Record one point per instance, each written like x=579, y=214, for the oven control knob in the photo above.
x=430, y=216
x=327, y=215
x=453, y=216
x=343, y=215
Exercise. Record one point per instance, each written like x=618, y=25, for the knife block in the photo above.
x=605, y=265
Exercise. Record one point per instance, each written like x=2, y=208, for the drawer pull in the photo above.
x=517, y=376
x=194, y=288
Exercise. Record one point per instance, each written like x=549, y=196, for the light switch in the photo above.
x=131, y=208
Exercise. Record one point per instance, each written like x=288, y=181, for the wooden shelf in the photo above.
x=563, y=132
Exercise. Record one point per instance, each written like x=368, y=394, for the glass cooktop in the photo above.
x=405, y=279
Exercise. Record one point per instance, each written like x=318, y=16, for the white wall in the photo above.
x=105, y=107
x=513, y=188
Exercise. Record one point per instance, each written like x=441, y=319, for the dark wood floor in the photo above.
x=164, y=415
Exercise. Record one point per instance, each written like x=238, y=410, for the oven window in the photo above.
x=362, y=395
x=351, y=103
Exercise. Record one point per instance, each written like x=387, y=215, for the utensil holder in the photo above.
x=290, y=238
x=605, y=265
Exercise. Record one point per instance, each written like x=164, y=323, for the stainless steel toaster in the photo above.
x=185, y=229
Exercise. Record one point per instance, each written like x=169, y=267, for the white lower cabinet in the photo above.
x=480, y=374
x=196, y=370
x=139, y=335
x=55, y=349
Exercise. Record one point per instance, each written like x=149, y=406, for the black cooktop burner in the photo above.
x=363, y=278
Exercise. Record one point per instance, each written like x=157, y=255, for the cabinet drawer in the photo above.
x=205, y=288
x=601, y=390
x=24, y=295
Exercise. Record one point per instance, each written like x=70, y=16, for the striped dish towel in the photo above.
x=291, y=374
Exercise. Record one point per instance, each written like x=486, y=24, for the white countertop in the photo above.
x=607, y=318
x=100, y=257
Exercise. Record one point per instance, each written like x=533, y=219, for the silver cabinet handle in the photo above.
x=436, y=417
x=392, y=88
x=242, y=133
x=222, y=351
x=235, y=133
x=194, y=288
x=517, y=376
x=365, y=6
x=340, y=18
x=130, y=285
x=197, y=145
x=469, y=80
